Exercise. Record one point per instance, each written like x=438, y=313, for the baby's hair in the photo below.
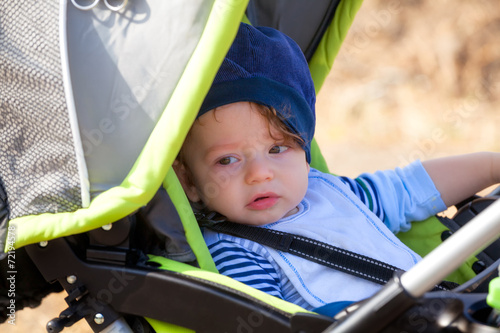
x=274, y=120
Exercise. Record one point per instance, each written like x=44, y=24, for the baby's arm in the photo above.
x=460, y=177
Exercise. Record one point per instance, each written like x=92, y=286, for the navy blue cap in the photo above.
x=267, y=67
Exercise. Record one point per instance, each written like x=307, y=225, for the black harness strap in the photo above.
x=322, y=253
x=316, y=251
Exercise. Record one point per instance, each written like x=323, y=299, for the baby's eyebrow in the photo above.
x=219, y=149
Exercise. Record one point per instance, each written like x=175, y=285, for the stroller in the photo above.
x=91, y=205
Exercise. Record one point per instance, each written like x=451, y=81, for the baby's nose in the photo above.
x=258, y=170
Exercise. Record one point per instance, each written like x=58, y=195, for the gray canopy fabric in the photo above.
x=122, y=80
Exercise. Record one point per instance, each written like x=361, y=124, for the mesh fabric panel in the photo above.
x=37, y=161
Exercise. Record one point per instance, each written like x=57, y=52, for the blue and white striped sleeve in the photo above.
x=245, y=266
x=399, y=197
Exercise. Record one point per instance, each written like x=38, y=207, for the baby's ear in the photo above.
x=184, y=176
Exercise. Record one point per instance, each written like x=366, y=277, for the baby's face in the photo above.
x=240, y=170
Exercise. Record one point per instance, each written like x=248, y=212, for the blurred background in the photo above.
x=415, y=79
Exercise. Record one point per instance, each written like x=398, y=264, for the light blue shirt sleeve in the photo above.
x=406, y=194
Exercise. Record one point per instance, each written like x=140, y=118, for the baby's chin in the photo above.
x=263, y=220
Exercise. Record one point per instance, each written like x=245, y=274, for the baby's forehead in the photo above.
x=249, y=117
x=238, y=111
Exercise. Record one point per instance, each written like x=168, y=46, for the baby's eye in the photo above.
x=227, y=160
x=278, y=149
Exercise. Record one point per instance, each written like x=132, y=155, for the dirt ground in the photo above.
x=415, y=79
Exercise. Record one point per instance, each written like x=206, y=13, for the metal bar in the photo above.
x=472, y=238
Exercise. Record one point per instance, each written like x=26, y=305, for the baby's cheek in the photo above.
x=213, y=191
x=219, y=178
x=210, y=191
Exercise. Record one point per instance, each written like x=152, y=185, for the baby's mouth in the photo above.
x=263, y=201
